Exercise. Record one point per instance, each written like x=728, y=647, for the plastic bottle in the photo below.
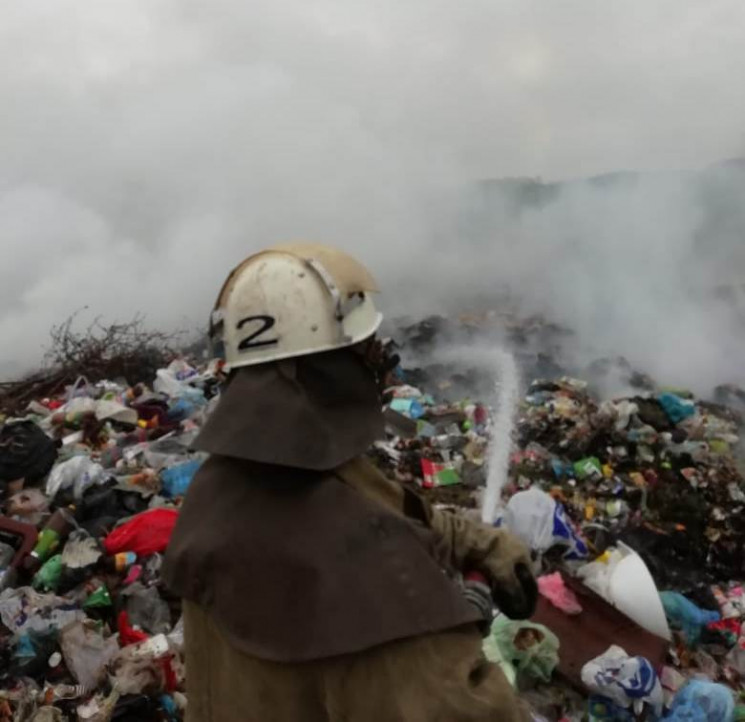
x=119, y=562
x=55, y=531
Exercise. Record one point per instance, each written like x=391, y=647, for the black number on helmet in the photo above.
x=250, y=342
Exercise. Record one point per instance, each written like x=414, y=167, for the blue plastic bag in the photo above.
x=176, y=479
x=541, y=522
x=408, y=407
x=677, y=409
x=701, y=701
x=25, y=649
x=684, y=615
x=629, y=682
x=564, y=531
x=181, y=409
x=168, y=705
x=562, y=469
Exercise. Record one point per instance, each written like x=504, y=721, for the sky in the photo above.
x=147, y=146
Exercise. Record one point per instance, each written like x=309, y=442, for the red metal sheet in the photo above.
x=587, y=635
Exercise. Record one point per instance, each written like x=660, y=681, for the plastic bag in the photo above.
x=624, y=410
x=23, y=610
x=80, y=473
x=170, y=708
x=26, y=452
x=181, y=409
x=140, y=668
x=160, y=461
x=176, y=636
x=81, y=551
x=597, y=574
x=493, y=652
x=553, y=588
x=32, y=652
x=143, y=534
x=82, y=388
x=176, y=479
x=529, y=515
x=677, y=409
x=408, y=407
x=645, y=435
x=541, y=523
x=702, y=701
x=29, y=506
x=167, y=383
x=87, y=653
x=684, y=615
x=180, y=369
x=146, y=609
x=626, y=681
x=531, y=648
x=109, y=410
x=138, y=676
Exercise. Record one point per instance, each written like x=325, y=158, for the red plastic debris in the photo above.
x=144, y=534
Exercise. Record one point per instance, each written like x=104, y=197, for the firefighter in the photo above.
x=314, y=588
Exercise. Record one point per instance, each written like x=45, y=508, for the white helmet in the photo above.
x=293, y=300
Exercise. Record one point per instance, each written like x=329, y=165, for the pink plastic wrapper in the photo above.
x=553, y=588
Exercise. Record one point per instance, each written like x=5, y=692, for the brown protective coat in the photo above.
x=434, y=678
x=297, y=565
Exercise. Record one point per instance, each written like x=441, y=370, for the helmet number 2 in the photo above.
x=260, y=324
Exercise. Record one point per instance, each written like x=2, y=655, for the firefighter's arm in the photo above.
x=499, y=555
x=461, y=543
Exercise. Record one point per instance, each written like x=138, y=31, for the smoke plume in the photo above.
x=148, y=145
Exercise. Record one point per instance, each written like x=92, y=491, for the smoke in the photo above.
x=148, y=145
x=643, y=266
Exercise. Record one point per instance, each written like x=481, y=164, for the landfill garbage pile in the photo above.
x=658, y=471
x=99, y=352
x=91, y=480
x=436, y=347
x=634, y=507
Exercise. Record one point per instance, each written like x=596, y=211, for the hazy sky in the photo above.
x=147, y=145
